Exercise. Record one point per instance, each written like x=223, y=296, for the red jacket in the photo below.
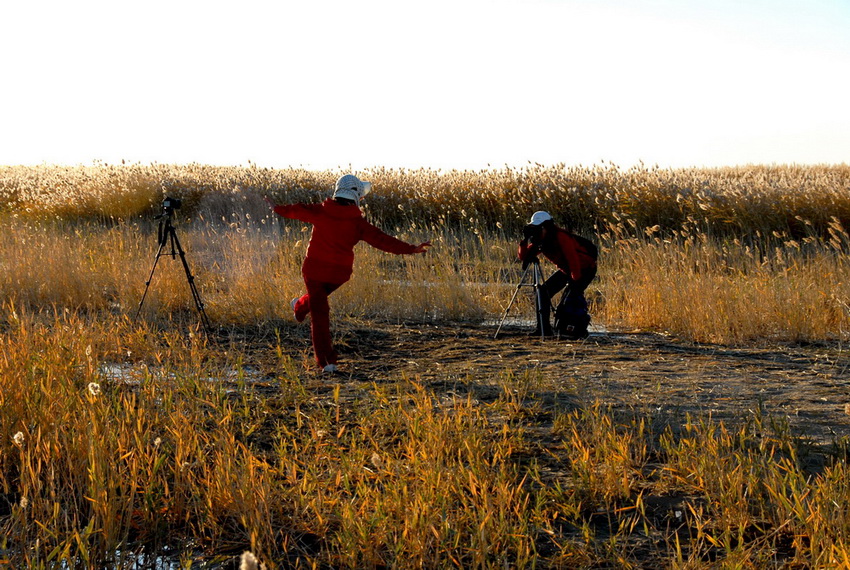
x=336, y=230
x=565, y=252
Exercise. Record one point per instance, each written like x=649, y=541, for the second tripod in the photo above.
x=539, y=290
x=167, y=236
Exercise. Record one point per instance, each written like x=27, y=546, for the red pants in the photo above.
x=315, y=302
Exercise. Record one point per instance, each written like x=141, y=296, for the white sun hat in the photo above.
x=351, y=188
x=538, y=218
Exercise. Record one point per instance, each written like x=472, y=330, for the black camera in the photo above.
x=171, y=204
x=533, y=233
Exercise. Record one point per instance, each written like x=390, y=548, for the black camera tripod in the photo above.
x=166, y=234
x=539, y=290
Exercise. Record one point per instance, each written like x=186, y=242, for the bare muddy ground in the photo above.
x=634, y=371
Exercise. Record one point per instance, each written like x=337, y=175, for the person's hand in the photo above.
x=527, y=253
x=422, y=247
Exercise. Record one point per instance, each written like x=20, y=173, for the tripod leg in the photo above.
x=505, y=314
x=150, y=278
x=191, y=279
x=542, y=320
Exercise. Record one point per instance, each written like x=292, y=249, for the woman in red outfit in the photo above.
x=338, y=224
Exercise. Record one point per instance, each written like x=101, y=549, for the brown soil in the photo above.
x=633, y=371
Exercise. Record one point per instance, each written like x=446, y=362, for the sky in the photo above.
x=440, y=84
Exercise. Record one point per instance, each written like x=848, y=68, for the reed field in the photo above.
x=686, y=251
x=143, y=442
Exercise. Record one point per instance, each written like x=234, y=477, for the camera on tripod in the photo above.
x=170, y=204
x=533, y=233
x=167, y=235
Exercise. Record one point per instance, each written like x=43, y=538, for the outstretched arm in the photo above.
x=303, y=212
x=378, y=239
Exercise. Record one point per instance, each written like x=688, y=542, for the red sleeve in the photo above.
x=378, y=239
x=524, y=250
x=303, y=212
x=568, y=246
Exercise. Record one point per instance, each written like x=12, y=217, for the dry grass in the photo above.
x=747, y=201
x=712, y=290
x=95, y=467
x=705, y=289
x=687, y=251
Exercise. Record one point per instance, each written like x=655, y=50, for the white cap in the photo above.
x=538, y=218
x=351, y=188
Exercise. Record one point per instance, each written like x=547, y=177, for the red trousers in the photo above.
x=315, y=302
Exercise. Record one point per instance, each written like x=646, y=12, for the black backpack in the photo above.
x=572, y=318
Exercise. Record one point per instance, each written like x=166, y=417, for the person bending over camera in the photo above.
x=575, y=257
x=338, y=225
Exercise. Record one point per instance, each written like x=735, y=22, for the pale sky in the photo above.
x=442, y=84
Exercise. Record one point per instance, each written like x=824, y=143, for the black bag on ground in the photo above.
x=572, y=318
